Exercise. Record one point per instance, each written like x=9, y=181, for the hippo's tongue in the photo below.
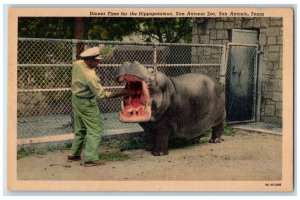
x=135, y=102
x=133, y=113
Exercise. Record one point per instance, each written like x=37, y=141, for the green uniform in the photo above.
x=86, y=88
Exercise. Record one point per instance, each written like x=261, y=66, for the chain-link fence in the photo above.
x=44, y=78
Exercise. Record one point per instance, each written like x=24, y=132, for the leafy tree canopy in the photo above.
x=50, y=27
x=169, y=30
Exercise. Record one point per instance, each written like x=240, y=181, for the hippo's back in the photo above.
x=198, y=105
x=194, y=83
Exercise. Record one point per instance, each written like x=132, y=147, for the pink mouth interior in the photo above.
x=136, y=108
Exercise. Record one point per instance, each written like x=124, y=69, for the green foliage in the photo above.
x=206, y=136
x=109, y=28
x=228, y=130
x=29, y=151
x=169, y=30
x=23, y=153
x=45, y=27
x=130, y=143
x=127, y=144
x=106, y=50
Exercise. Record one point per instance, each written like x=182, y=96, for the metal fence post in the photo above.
x=154, y=63
x=74, y=55
x=259, y=82
x=223, y=64
x=74, y=51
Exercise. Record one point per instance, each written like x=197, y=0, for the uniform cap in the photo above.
x=91, y=52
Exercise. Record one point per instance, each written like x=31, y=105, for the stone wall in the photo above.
x=218, y=31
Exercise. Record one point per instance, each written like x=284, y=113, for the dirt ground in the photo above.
x=246, y=156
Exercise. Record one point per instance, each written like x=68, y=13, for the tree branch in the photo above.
x=145, y=33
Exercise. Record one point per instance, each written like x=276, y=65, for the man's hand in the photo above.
x=122, y=93
x=128, y=92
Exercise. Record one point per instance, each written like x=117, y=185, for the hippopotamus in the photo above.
x=185, y=106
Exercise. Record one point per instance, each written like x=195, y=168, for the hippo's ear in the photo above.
x=125, y=64
x=136, y=63
x=152, y=77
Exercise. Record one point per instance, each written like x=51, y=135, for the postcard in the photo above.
x=150, y=99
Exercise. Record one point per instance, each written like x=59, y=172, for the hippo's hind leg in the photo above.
x=216, y=133
x=195, y=140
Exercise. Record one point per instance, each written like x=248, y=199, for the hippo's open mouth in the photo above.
x=136, y=108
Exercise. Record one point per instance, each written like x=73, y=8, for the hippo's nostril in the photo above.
x=120, y=79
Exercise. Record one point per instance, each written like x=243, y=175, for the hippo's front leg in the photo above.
x=161, y=143
x=150, y=133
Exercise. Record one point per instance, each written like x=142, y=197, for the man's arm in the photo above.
x=122, y=93
x=101, y=93
x=95, y=85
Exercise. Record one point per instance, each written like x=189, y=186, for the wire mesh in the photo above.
x=241, y=83
x=44, y=78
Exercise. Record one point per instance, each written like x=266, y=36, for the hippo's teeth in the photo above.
x=122, y=106
x=148, y=103
x=145, y=89
x=130, y=111
x=137, y=111
x=146, y=107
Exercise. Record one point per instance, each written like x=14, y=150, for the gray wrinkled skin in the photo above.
x=184, y=106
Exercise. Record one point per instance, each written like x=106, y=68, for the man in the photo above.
x=86, y=88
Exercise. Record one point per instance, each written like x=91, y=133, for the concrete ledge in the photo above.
x=260, y=127
x=124, y=133
x=59, y=140
x=45, y=139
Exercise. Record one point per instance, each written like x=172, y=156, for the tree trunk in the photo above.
x=79, y=35
x=79, y=28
